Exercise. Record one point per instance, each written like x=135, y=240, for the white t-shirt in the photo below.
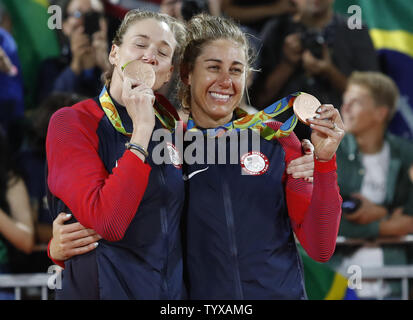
x=373, y=187
x=376, y=168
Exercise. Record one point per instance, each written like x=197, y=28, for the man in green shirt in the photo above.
x=373, y=167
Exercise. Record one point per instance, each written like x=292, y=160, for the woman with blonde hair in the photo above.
x=100, y=170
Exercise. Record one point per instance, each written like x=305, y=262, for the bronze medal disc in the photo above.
x=305, y=107
x=141, y=71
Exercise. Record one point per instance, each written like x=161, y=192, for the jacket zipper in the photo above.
x=229, y=215
x=164, y=226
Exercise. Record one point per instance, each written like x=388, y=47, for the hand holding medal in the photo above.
x=137, y=94
x=138, y=97
x=326, y=122
x=140, y=71
x=305, y=106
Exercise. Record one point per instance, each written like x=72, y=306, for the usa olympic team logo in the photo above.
x=254, y=163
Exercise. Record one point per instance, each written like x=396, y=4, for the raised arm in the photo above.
x=315, y=209
x=77, y=176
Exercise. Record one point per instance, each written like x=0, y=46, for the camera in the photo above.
x=91, y=23
x=350, y=205
x=313, y=41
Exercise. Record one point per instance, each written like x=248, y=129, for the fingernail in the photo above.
x=317, y=116
x=310, y=119
x=319, y=109
x=68, y=215
x=96, y=244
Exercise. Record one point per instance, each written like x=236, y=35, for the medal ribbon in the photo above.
x=163, y=115
x=257, y=121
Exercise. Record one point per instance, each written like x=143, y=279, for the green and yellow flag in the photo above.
x=390, y=24
x=323, y=283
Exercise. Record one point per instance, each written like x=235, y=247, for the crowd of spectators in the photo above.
x=301, y=45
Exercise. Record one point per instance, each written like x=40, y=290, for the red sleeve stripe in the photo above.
x=326, y=201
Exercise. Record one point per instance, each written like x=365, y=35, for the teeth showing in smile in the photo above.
x=220, y=96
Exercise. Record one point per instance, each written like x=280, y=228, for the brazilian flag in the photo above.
x=391, y=28
x=323, y=283
x=35, y=41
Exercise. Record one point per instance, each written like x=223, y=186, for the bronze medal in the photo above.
x=305, y=107
x=140, y=71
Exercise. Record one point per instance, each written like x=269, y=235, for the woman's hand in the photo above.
x=303, y=167
x=328, y=131
x=138, y=100
x=71, y=239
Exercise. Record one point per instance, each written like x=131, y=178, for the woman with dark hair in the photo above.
x=16, y=222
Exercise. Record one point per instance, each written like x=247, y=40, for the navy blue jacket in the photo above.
x=239, y=231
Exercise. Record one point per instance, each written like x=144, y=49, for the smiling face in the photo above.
x=150, y=41
x=217, y=81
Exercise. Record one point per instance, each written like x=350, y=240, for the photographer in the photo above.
x=312, y=51
x=84, y=52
